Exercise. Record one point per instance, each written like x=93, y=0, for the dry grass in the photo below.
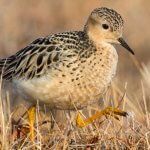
x=23, y=21
x=132, y=132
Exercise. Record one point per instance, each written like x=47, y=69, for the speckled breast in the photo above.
x=92, y=78
x=76, y=87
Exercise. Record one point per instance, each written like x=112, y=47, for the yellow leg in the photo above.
x=31, y=115
x=109, y=111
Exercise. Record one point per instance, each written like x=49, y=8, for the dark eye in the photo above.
x=105, y=26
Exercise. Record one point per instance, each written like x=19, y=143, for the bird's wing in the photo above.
x=36, y=59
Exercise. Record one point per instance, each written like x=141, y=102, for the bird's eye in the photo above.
x=105, y=26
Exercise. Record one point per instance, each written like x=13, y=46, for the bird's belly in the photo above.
x=63, y=96
x=74, y=91
x=68, y=95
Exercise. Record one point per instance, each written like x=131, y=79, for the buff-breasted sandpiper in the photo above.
x=69, y=69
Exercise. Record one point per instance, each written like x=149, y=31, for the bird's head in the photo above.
x=106, y=25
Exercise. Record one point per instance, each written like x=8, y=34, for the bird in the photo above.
x=68, y=70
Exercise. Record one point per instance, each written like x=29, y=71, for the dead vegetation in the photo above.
x=132, y=132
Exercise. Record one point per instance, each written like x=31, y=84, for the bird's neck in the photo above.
x=93, y=33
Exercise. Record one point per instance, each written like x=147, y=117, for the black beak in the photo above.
x=125, y=45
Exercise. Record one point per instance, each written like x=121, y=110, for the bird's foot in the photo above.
x=109, y=111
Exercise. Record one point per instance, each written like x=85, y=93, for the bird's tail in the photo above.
x=3, y=63
x=5, y=66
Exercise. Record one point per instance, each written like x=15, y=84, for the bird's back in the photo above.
x=42, y=55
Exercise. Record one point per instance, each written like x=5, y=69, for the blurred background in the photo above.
x=22, y=21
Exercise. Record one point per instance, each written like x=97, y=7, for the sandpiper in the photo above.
x=68, y=70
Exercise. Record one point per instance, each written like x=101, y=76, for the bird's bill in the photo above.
x=125, y=45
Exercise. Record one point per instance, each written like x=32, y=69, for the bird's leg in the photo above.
x=109, y=111
x=31, y=117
